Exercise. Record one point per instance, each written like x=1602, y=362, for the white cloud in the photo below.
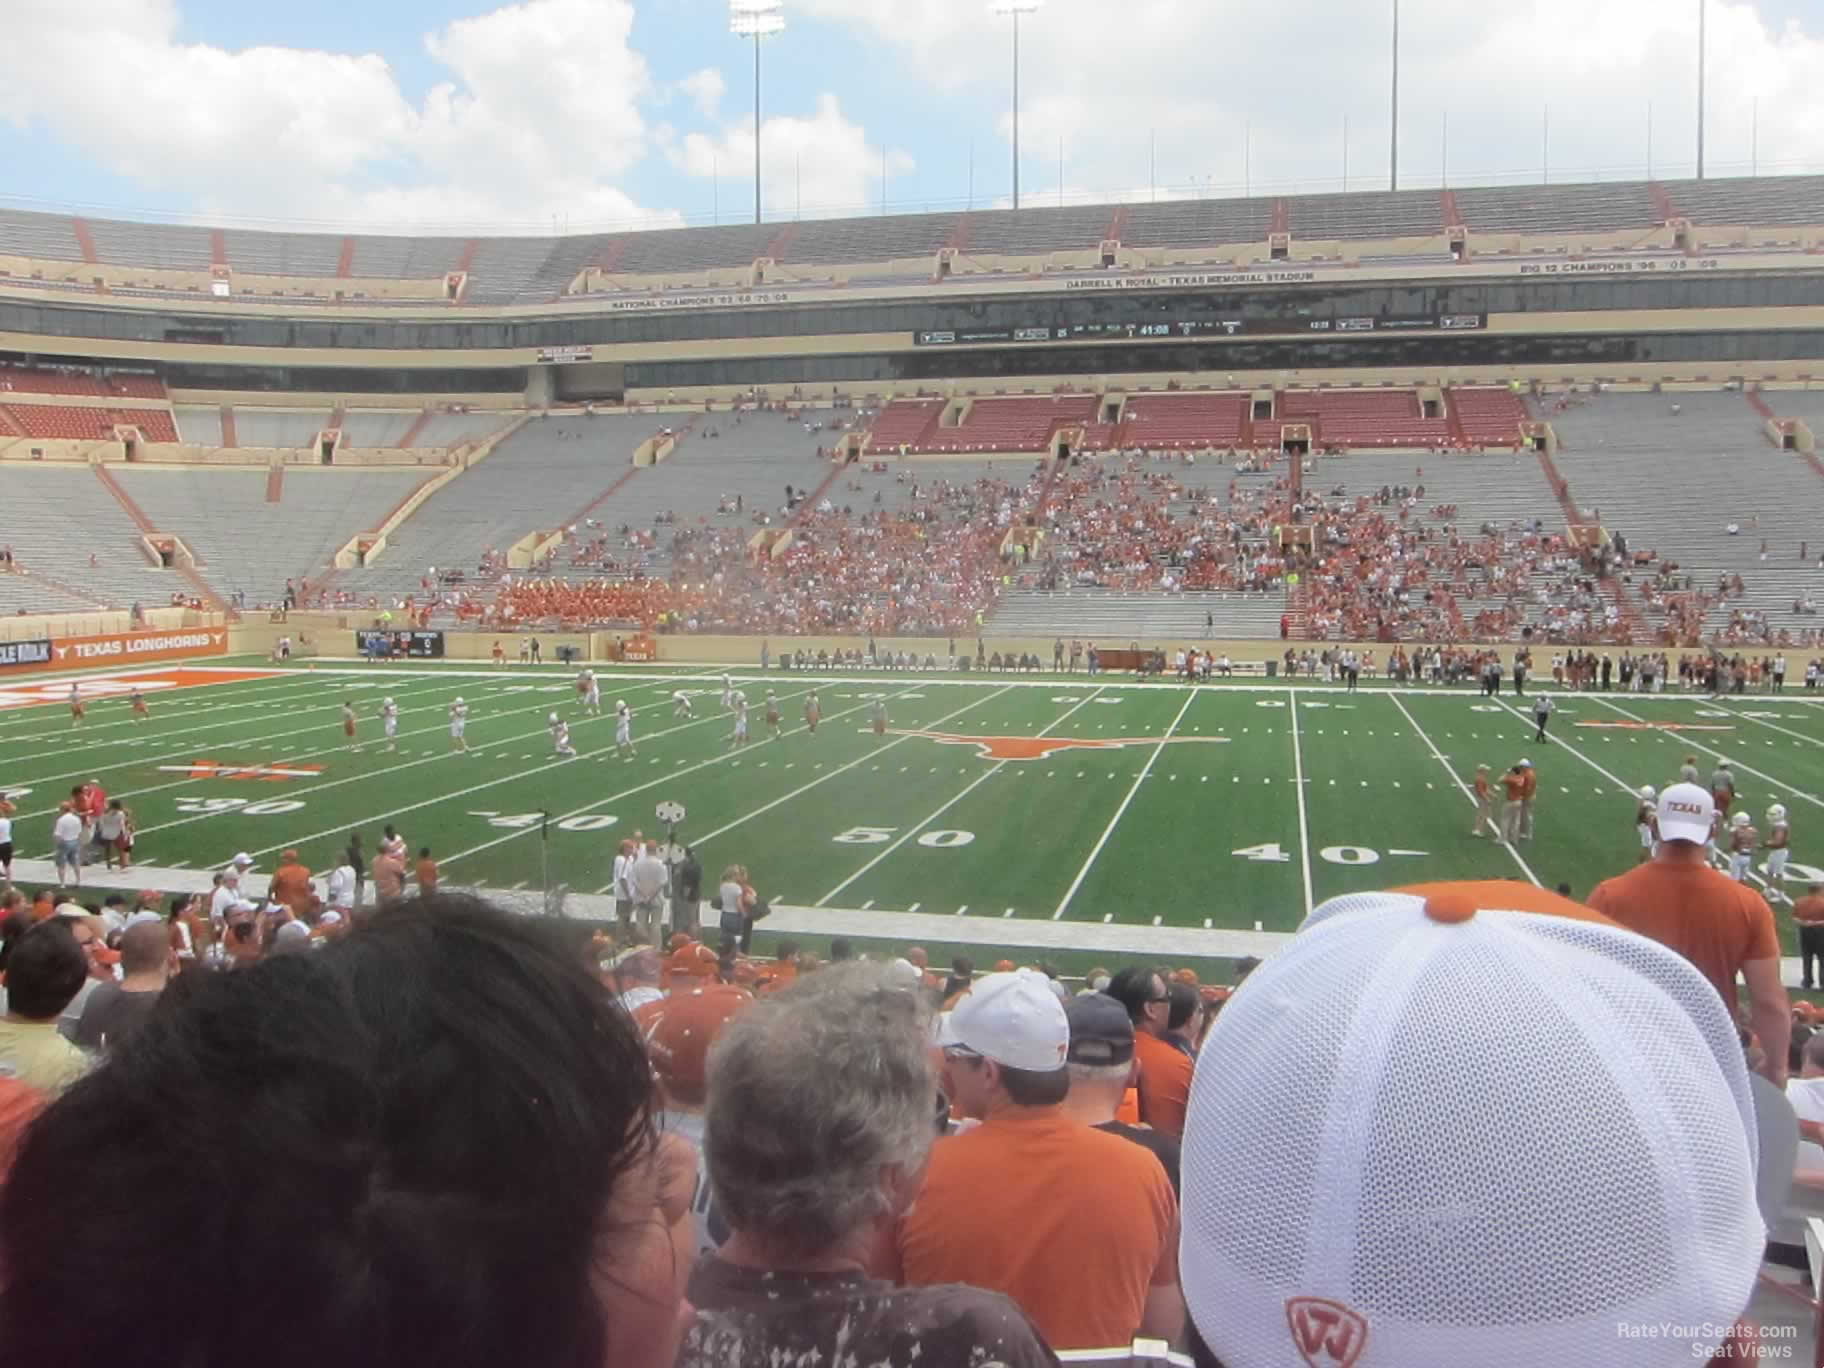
x=541, y=112
x=1187, y=77
x=705, y=89
x=822, y=165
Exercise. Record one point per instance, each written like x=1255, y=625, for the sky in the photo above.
x=571, y=115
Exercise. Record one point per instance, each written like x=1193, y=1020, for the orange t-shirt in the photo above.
x=1529, y=782
x=427, y=875
x=1809, y=910
x=291, y=886
x=18, y=1105
x=1707, y=917
x=991, y=1215
x=1165, y=1084
x=1481, y=786
x=1515, y=786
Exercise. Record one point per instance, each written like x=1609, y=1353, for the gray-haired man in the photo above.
x=819, y=1123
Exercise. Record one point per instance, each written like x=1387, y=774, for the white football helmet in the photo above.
x=459, y=698
x=1739, y=820
x=552, y=718
x=620, y=705
x=388, y=701
x=1648, y=793
x=1776, y=814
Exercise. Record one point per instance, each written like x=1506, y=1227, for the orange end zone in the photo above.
x=103, y=688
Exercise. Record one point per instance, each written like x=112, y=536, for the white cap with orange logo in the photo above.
x=1443, y=1127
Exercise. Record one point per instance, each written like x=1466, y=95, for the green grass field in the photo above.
x=1228, y=807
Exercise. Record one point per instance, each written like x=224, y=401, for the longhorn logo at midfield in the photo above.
x=1044, y=747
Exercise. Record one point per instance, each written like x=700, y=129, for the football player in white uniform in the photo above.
x=680, y=704
x=1646, y=821
x=591, y=690
x=623, y=729
x=389, y=722
x=560, y=737
x=459, y=722
x=740, y=706
x=728, y=694
x=1741, y=846
x=773, y=716
x=1777, y=846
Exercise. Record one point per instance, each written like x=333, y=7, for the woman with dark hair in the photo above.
x=430, y=1142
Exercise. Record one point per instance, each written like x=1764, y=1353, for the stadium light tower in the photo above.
x=756, y=19
x=1016, y=8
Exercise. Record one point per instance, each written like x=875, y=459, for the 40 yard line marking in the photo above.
x=1298, y=780
x=1462, y=787
x=968, y=788
x=1109, y=830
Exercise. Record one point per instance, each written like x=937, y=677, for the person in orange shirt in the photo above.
x=1723, y=927
x=426, y=872
x=1091, y=1271
x=1808, y=914
x=1485, y=805
x=1165, y=1070
x=780, y=972
x=1529, y=789
x=1513, y=784
x=291, y=885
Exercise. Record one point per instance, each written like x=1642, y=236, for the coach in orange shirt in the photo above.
x=1079, y=1227
x=1165, y=1070
x=1721, y=926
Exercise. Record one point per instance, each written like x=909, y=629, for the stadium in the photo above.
x=1085, y=585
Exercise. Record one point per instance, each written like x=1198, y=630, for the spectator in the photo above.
x=735, y=899
x=648, y=879
x=1182, y=1018
x=635, y=976
x=781, y=972
x=115, y=1010
x=425, y=872
x=687, y=894
x=389, y=874
x=19, y=1103
x=87, y=931
x=1406, y=1147
x=66, y=837
x=1165, y=1071
x=1102, y=1069
x=498, y=1197
x=1721, y=926
x=962, y=974
x=342, y=887
x=43, y=973
x=819, y=1124
x=355, y=858
x=291, y=885
x=1078, y=1227
x=842, y=949
x=1806, y=1093
x=1808, y=916
x=681, y=1031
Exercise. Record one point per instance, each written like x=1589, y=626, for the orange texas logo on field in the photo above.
x=1044, y=747
x=270, y=774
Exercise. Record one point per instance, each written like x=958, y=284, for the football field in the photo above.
x=1056, y=811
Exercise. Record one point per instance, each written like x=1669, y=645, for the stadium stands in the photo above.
x=258, y=427
x=200, y=424
x=1174, y=421
x=58, y=518
x=1365, y=418
x=250, y=546
x=524, y=270
x=1487, y=417
x=1675, y=473
x=377, y=428
x=98, y=383
x=905, y=423
x=83, y=423
x=448, y=429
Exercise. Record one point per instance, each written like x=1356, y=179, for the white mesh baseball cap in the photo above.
x=1439, y=1127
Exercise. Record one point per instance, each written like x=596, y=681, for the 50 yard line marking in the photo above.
x=1121, y=811
x=969, y=788
x=1298, y=782
x=1463, y=788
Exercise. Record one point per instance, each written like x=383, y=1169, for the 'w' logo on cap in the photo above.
x=1326, y=1334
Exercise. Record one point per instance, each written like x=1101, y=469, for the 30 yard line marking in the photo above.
x=968, y=788
x=1298, y=780
x=1462, y=787
x=1121, y=811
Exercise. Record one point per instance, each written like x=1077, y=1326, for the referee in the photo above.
x=1542, y=713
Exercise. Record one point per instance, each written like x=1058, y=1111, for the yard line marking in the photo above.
x=448, y=797
x=1008, y=912
x=964, y=908
x=600, y=803
x=1684, y=738
x=605, y=888
x=1121, y=811
x=1462, y=787
x=914, y=907
x=968, y=788
x=177, y=864
x=805, y=788
x=1298, y=775
x=868, y=905
x=1760, y=723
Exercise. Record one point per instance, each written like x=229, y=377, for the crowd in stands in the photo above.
x=482, y=1138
